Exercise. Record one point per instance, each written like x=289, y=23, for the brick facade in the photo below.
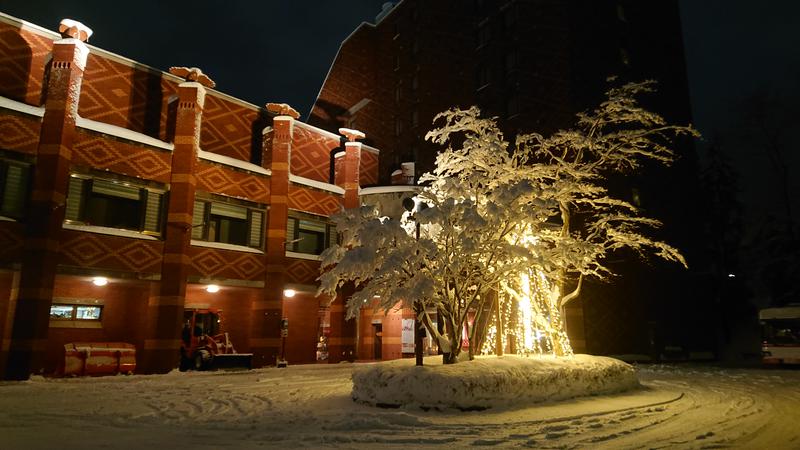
x=109, y=123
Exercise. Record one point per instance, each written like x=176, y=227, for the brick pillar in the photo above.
x=342, y=342
x=165, y=307
x=24, y=352
x=265, y=334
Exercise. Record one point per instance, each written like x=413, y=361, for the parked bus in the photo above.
x=781, y=335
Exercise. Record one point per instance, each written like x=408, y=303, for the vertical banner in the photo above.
x=407, y=336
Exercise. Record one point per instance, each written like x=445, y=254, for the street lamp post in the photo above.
x=414, y=206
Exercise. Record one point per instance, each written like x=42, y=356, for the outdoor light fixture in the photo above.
x=731, y=275
x=100, y=281
x=212, y=288
x=289, y=293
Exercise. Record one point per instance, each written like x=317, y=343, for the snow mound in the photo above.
x=489, y=381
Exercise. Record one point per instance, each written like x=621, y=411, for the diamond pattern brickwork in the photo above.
x=19, y=133
x=120, y=157
x=311, y=153
x=314, y=201
x=110, y=252
x=368, y=169
x=212, y=262
x=230, y=128
x=118, y=94
x=301, y=271
x=23, y=55
x=11, y=235
x=220, y=180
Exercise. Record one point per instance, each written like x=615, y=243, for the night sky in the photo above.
x=281, y=51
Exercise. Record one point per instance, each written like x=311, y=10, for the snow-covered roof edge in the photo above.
x=391, y=11
x=332, y=135
x=224, y=246
x=303, y=256
x=233, y=162
x=316, y=184
x=124, y=133
x=389, y=189
x=25, y=108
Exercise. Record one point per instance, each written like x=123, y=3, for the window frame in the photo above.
x=208, y=199
x=329, y=238
x=145, y=190
x=27, y=166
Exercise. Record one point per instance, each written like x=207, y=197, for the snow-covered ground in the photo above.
x=311, y=407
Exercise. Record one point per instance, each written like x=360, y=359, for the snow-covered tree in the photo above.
x=499, y=218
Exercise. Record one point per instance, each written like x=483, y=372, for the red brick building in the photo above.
x=126, y=191
x=533, y=64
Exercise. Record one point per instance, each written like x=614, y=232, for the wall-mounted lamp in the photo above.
x=212, y=288
x=100, y=281
x=289, y=293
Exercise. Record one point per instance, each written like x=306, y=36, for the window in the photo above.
x=14, y=182
x=228, y=221
x=60, y=311
x=623, y=56
x=484, y=34
x=510, y=61
x=621, y=13
x=512, y=105
x=510, y=19
x=482, y=76
x=306, y=233
x=114, y=203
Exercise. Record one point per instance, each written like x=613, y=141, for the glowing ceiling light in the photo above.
x=100, y=281
x=289, y=293
x=212, y=288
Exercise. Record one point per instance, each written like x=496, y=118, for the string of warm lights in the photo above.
x=530, y=318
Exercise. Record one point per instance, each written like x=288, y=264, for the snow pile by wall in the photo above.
x=489, y=381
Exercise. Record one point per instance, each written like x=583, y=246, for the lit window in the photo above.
x=309, y=234
x=239, y=223
x=75, y=312
x=114, y=204
x=14, y=181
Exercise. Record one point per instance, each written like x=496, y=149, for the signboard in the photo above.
x=407, y=336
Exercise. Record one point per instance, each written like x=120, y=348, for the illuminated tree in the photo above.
x=500, y=221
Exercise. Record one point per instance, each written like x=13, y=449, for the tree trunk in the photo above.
x=498, y=335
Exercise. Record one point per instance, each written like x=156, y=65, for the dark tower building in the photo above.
x=533, y=64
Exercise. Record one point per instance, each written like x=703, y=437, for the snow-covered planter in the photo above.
x=489, y=381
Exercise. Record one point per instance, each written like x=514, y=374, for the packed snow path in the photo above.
x=310, y=406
